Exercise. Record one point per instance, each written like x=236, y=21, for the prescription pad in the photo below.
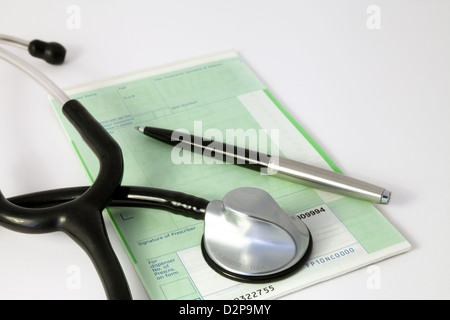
x=219, y=93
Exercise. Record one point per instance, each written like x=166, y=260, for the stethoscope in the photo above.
x=247, y=236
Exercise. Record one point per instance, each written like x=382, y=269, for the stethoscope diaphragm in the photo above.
x=249, y=237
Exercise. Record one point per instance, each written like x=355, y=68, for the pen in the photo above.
x=303, y=173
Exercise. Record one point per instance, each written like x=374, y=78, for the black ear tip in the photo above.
x=51, y=52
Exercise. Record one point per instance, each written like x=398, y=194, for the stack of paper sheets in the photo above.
x=219, y=94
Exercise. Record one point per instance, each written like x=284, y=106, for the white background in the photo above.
x=376, y=100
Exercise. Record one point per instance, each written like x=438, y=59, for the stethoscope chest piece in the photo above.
x=249, y=237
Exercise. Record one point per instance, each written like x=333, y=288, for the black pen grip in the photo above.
x=220, y=151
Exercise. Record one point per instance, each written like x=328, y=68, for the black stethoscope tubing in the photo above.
x=78, y=211
x=81, y=218
x=123, y=196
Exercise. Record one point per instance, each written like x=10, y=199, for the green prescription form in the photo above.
x=220, y=97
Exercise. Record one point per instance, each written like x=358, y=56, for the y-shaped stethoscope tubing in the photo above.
x=78, y=211
x=82, y=218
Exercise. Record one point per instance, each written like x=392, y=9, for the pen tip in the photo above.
x=139, y=128
x=385, y=197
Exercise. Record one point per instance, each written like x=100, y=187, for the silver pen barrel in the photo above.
x=315, y=177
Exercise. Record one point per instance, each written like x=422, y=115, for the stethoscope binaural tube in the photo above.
x=80, y=218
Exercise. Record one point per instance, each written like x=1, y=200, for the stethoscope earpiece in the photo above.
x=51, y=52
